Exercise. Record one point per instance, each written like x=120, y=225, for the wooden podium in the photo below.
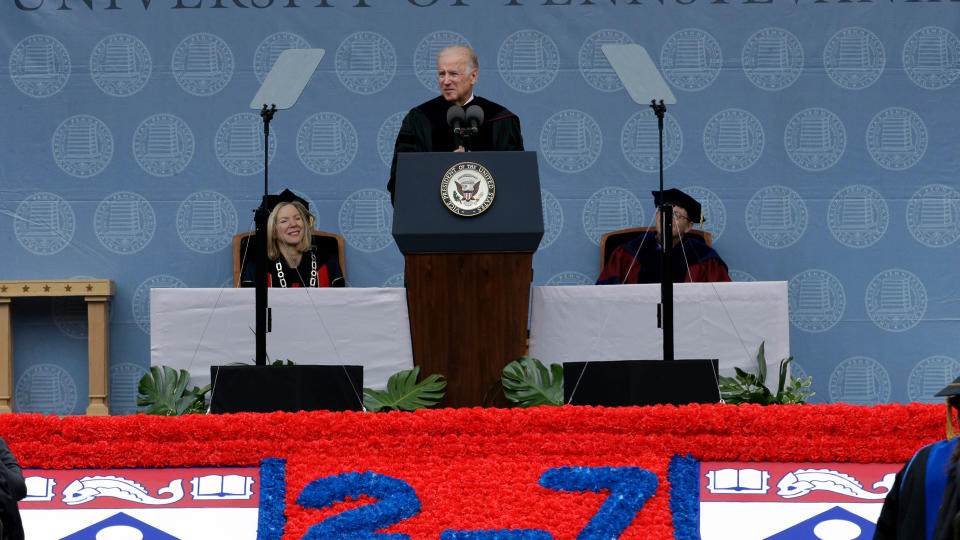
x=97, y=294
x=468, y=278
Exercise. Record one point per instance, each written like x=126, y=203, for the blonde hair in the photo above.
x=273, y=249
x=470, y=57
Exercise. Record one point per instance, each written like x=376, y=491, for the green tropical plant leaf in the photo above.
x=404, y=393
x=784, y=365
x=750, y=388
x=164, y=392
x=762, y=364
x=528, y=383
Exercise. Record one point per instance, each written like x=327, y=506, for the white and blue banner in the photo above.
x=818, y=134
x=154, y=504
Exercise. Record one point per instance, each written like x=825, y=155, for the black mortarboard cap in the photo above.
x=285, y=196
x=676, y=197
x=952, y=389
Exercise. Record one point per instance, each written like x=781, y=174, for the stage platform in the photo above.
x=696, y=471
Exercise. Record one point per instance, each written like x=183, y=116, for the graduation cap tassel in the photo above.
x=952, y=428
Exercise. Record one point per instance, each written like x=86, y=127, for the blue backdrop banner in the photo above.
x=816, y=134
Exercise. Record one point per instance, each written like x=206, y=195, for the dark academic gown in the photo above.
x=705, y=263
x=910, y=511
x=12, y=489
x=425, y=129
x=329, y=273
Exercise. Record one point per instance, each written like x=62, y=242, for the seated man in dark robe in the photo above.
x=924, y=502
x=638, y=261
x=425, y=127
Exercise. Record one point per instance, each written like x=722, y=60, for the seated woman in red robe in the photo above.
x=292, y=259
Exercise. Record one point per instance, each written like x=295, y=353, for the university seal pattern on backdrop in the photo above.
x=776, y=217
x=931, y=57
x=82, y=146
x=120, y=65
x=44, y=223
x=238, y=144
x=640, y=141
x=860, y=380
x=46, y=389
x=570, y=141
x=896, y=138
x=854, y=58
x=611, y=209
x=206, y=221
x=733, y=140
x=202, y=64
x=528, y=61
x=933, y=215
x=124, y=222
x=858, y=216
x=929, y=376
x=896, y=300
x=817, y=300
x=40, y=66
x=815, y=139
x=163, y=145
x=327, y=143
x=365, y=62
x=691, y=59
x=365, y=220
x=772, y=59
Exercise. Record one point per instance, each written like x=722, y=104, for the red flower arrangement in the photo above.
x=481, y=469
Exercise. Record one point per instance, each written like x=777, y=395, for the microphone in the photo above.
x=455, y=117
x=474, y=116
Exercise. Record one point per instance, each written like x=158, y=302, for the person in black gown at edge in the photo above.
x=292, y=260
x=12, y=489
x=425, y=127
x=924, y=501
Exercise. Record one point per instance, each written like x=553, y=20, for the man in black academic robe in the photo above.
x=12, y=488
x=924, y=502
x=425, y=127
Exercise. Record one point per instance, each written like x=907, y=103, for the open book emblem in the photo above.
x=221, y=487
x=39, y=488
x=743, y=481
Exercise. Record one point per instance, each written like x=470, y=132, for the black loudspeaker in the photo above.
x=285, y=388
x=618, y=383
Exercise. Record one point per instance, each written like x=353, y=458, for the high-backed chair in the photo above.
x=609, y=241
x=325, y=243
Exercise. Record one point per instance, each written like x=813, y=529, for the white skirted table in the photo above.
x=726, y=321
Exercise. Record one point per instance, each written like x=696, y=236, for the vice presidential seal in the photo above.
x=467, y=189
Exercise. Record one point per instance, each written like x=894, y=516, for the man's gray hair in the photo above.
x=467, y=52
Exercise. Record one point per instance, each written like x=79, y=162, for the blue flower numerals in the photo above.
x=629, y=487
x=396, y=502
